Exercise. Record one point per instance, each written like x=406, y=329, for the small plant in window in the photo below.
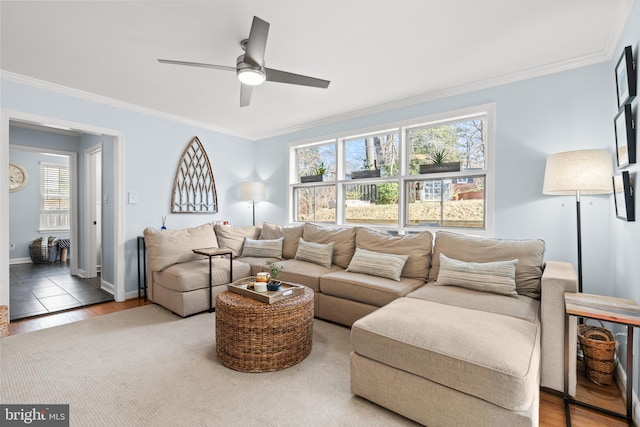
x=439, y=156
x=321, y=169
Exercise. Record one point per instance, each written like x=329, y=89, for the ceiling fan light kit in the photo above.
x=250, y=68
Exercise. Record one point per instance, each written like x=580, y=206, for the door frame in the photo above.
x=90, y=261
x=7, y=116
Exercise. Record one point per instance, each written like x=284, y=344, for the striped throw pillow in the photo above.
x=316, y=253
x=263, y=248
x=497, y=277
x=377, y=264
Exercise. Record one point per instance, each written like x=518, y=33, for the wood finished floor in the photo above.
x=551, y=405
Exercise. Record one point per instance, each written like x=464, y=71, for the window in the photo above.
x=54, y=196
x=428, y=173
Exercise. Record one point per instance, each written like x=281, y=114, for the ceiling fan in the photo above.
x=250, y=67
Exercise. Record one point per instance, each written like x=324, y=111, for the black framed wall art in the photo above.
x=625, y=137
x=626, y=77
x=623, y=196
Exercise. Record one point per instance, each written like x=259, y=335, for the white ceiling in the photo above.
x=378, y=54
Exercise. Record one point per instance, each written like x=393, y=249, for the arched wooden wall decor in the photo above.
x=194, y=189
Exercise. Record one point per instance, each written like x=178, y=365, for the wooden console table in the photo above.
x=211, y=252
x=608, y=309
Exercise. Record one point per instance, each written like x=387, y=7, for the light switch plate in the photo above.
x=133, y=198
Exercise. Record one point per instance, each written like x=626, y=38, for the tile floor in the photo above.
x=36, y=289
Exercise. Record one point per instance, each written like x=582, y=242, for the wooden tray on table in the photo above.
x=245, y=287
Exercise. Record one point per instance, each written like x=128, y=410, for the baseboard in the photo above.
x=108, y=287
x=621, y=382
x=20, y=261
x=131, y=294
x=82, y=273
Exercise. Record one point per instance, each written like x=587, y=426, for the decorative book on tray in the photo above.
x=245, y=287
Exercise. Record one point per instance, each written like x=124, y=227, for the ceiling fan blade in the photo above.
x=257, y=42
x=197, y=64
x=245, y=94
x=294, y=79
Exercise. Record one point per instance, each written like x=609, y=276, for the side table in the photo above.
x=616, y=310
x=211, y=252
x=142, y=265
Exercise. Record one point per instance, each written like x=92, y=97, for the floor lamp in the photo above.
x=254, y=192
x=576, y=173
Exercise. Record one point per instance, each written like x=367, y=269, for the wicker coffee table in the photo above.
x=253, y=336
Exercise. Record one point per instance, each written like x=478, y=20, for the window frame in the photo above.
x=42, y=226
x=487, y=111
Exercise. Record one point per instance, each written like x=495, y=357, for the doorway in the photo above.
x=115, y=236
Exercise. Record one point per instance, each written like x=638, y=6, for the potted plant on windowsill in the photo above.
x=274, y=273
x=439, y=163
x=319, y=172
x=367, y=172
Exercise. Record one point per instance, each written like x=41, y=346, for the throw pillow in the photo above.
x=291, y=235
x=377, y=264
x=530, y=254
x=343, y=239
x=498, y=277
x=263, y=248
x=233, y=237
x=316, y=253
x=417, y=246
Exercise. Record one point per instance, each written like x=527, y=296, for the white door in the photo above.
x=93, y=211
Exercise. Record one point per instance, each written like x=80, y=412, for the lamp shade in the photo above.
x=578, y=172
x=254, y=191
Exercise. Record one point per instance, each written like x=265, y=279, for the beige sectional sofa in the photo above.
x=463, y=331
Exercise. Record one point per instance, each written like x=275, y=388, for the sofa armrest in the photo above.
x=557, y=278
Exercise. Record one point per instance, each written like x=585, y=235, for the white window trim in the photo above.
x=53, y=229
x=489, y=110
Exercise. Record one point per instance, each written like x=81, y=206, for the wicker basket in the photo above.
x=4, y=321
x=599, y=348
x=40, y=253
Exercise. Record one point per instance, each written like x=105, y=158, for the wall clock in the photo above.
x=17, y=176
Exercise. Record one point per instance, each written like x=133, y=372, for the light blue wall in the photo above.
x=623, y=244
x=151, y=152
x=534, y=118
x=24, y=205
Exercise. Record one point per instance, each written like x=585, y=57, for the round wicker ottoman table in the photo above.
x=253, y=336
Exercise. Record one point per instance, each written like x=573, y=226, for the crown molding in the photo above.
x=594, y=58
x=451, y=91
x=88, y=96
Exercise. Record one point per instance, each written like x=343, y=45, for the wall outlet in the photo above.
x=12, y=246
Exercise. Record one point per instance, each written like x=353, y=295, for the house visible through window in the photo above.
x=55, y=210
x=432, y=172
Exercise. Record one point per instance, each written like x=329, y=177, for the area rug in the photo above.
x=148, y=367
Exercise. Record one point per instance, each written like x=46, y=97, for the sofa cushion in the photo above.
x=495, y=358
x=303, y=272
x=168, y=247
x=189, y=276
x=316, y=253
x=377, y=264
x=232, y=238
x=497, y=277
x=417, y=246
x=257, y=263
x=522, y=307
x=366, y=289
x=262, y=248
x=344, y=241
x=529, y=253
x=291, y=236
